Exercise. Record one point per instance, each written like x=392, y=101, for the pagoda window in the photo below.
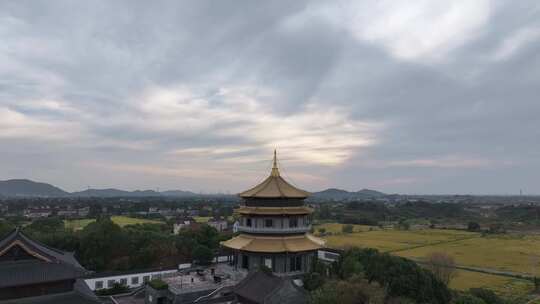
x=296, y=263
x=248, y=222
x=268, y=223
x=293, y=222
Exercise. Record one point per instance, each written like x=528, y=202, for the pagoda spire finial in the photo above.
x=275, y=170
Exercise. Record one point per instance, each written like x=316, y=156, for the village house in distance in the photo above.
x=274, y=228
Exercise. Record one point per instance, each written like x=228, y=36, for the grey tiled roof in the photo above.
x=32, y=271
x=60, y=265
x=51, y=253
x=81, y=294
x=265, y=288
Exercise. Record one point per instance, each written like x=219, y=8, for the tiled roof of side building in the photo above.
x=265, y=288
x=41, y=251
x=25, y=261
x=80, y=295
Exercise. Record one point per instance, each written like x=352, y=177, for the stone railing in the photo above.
x=274, y=230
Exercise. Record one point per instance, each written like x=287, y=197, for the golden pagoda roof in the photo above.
x=274, y=244
x=297, y=210
x=274, y=186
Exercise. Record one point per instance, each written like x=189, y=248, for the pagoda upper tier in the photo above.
x=274, y=187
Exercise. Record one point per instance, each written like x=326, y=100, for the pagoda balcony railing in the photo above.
x=274, y=230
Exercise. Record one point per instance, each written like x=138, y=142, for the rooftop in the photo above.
x=274, y=244
x=275, y=186
x=201, y=280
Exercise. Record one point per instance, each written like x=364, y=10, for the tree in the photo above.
x=473, y=226
x=203, y=255
x=347, y=228
x=46, y=225
x=5, y=228
x=102, y=243
x=442, y=265
x=468, y=299
x=400, y=277
x=316, y=277
x=356, y=291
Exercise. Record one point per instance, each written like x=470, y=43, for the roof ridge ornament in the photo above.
x=275, y=169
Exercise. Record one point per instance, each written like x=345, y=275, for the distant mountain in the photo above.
x=177, y=193
x=339, y=194
x=111, y=192
x=137, y=193
x=28, y=188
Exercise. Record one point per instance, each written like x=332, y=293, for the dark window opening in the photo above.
x=296, y=263
x=268, y=223
x=293, y=222
x=245, y=262
x=99, y=284
x=248, y=222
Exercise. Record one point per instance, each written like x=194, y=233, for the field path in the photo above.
x=512, y=274
x=432, y=244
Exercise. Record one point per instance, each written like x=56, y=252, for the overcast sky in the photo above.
x=398, y=96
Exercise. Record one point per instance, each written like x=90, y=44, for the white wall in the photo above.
x=91, y=282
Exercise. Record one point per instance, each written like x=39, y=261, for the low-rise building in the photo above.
x=218, y=224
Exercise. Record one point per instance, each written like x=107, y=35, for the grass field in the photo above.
x=202, y=219
x=119, y=220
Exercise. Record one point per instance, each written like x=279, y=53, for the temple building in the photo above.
x=31, y=272
x=274, y=228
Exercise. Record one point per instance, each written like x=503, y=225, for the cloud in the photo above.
x=423, y=96
x=315, y=133
x=515, y=42
x=18, y=125
x=420, y=30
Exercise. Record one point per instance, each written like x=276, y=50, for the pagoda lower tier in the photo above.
x=283, y=254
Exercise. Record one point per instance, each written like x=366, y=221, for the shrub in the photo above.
x=203, y=255
x=116, y=289
x=487, y=295
x=442, y=265
x=158, y=284
x=469, y=299
x=347, y=228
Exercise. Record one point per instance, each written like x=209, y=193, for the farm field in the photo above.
x=119, y=220
x=502, y=285
x=511, y=253
x=336, y=228
x=391, y=240
x=506, y=253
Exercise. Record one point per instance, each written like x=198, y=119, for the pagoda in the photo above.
x=274, y=228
